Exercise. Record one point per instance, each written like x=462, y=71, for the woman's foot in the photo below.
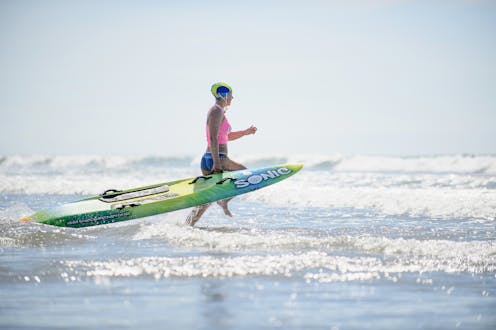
x=223, y=204
x=196, y=214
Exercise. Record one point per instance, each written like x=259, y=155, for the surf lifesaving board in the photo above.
x=122, y=205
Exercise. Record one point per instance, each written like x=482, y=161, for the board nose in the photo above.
x=296, y=166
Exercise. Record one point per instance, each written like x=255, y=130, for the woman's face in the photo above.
x=229, y=99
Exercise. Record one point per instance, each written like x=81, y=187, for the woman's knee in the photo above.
x=230, y=165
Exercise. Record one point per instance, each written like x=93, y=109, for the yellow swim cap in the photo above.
x=221, y=90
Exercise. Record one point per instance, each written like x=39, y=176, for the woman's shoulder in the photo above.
x=215, y=111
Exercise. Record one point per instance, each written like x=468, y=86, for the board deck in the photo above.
x=116, y=205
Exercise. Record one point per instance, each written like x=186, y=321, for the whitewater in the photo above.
x=350, y=242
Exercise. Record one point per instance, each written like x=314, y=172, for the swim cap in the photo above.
x=221, y=90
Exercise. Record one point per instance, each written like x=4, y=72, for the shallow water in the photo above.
x=348, y=243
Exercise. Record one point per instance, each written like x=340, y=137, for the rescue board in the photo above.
x=122, y=205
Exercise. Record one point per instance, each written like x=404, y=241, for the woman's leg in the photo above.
x=229, y=165
x=197, y=211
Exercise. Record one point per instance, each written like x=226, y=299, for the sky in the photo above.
x=315, y=77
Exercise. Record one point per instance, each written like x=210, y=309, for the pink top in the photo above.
x=224, y=130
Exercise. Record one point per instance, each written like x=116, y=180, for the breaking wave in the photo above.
x=457, y=186
x=461, y=164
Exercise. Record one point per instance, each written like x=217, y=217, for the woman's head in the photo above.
x=222, y=93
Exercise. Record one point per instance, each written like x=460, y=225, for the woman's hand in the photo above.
x=217, y=167
x=238, y=134
x=251, y=130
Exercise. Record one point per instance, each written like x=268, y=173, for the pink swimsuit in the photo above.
x=224, y=130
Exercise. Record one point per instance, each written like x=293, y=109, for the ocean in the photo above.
x=350, y=242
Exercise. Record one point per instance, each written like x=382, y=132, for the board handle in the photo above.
x=200, y=177
x=226, y=179
x=123, y=206
x=110, y=191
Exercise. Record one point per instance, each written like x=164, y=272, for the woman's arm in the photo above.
x=238, y=134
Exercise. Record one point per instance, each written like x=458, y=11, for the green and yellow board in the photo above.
x=122, y=205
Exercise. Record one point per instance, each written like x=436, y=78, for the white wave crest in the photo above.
x=311, y=265
x=462, y=164
x=473, y=256
x=424, y=199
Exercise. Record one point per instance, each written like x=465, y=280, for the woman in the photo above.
x=215, y=159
